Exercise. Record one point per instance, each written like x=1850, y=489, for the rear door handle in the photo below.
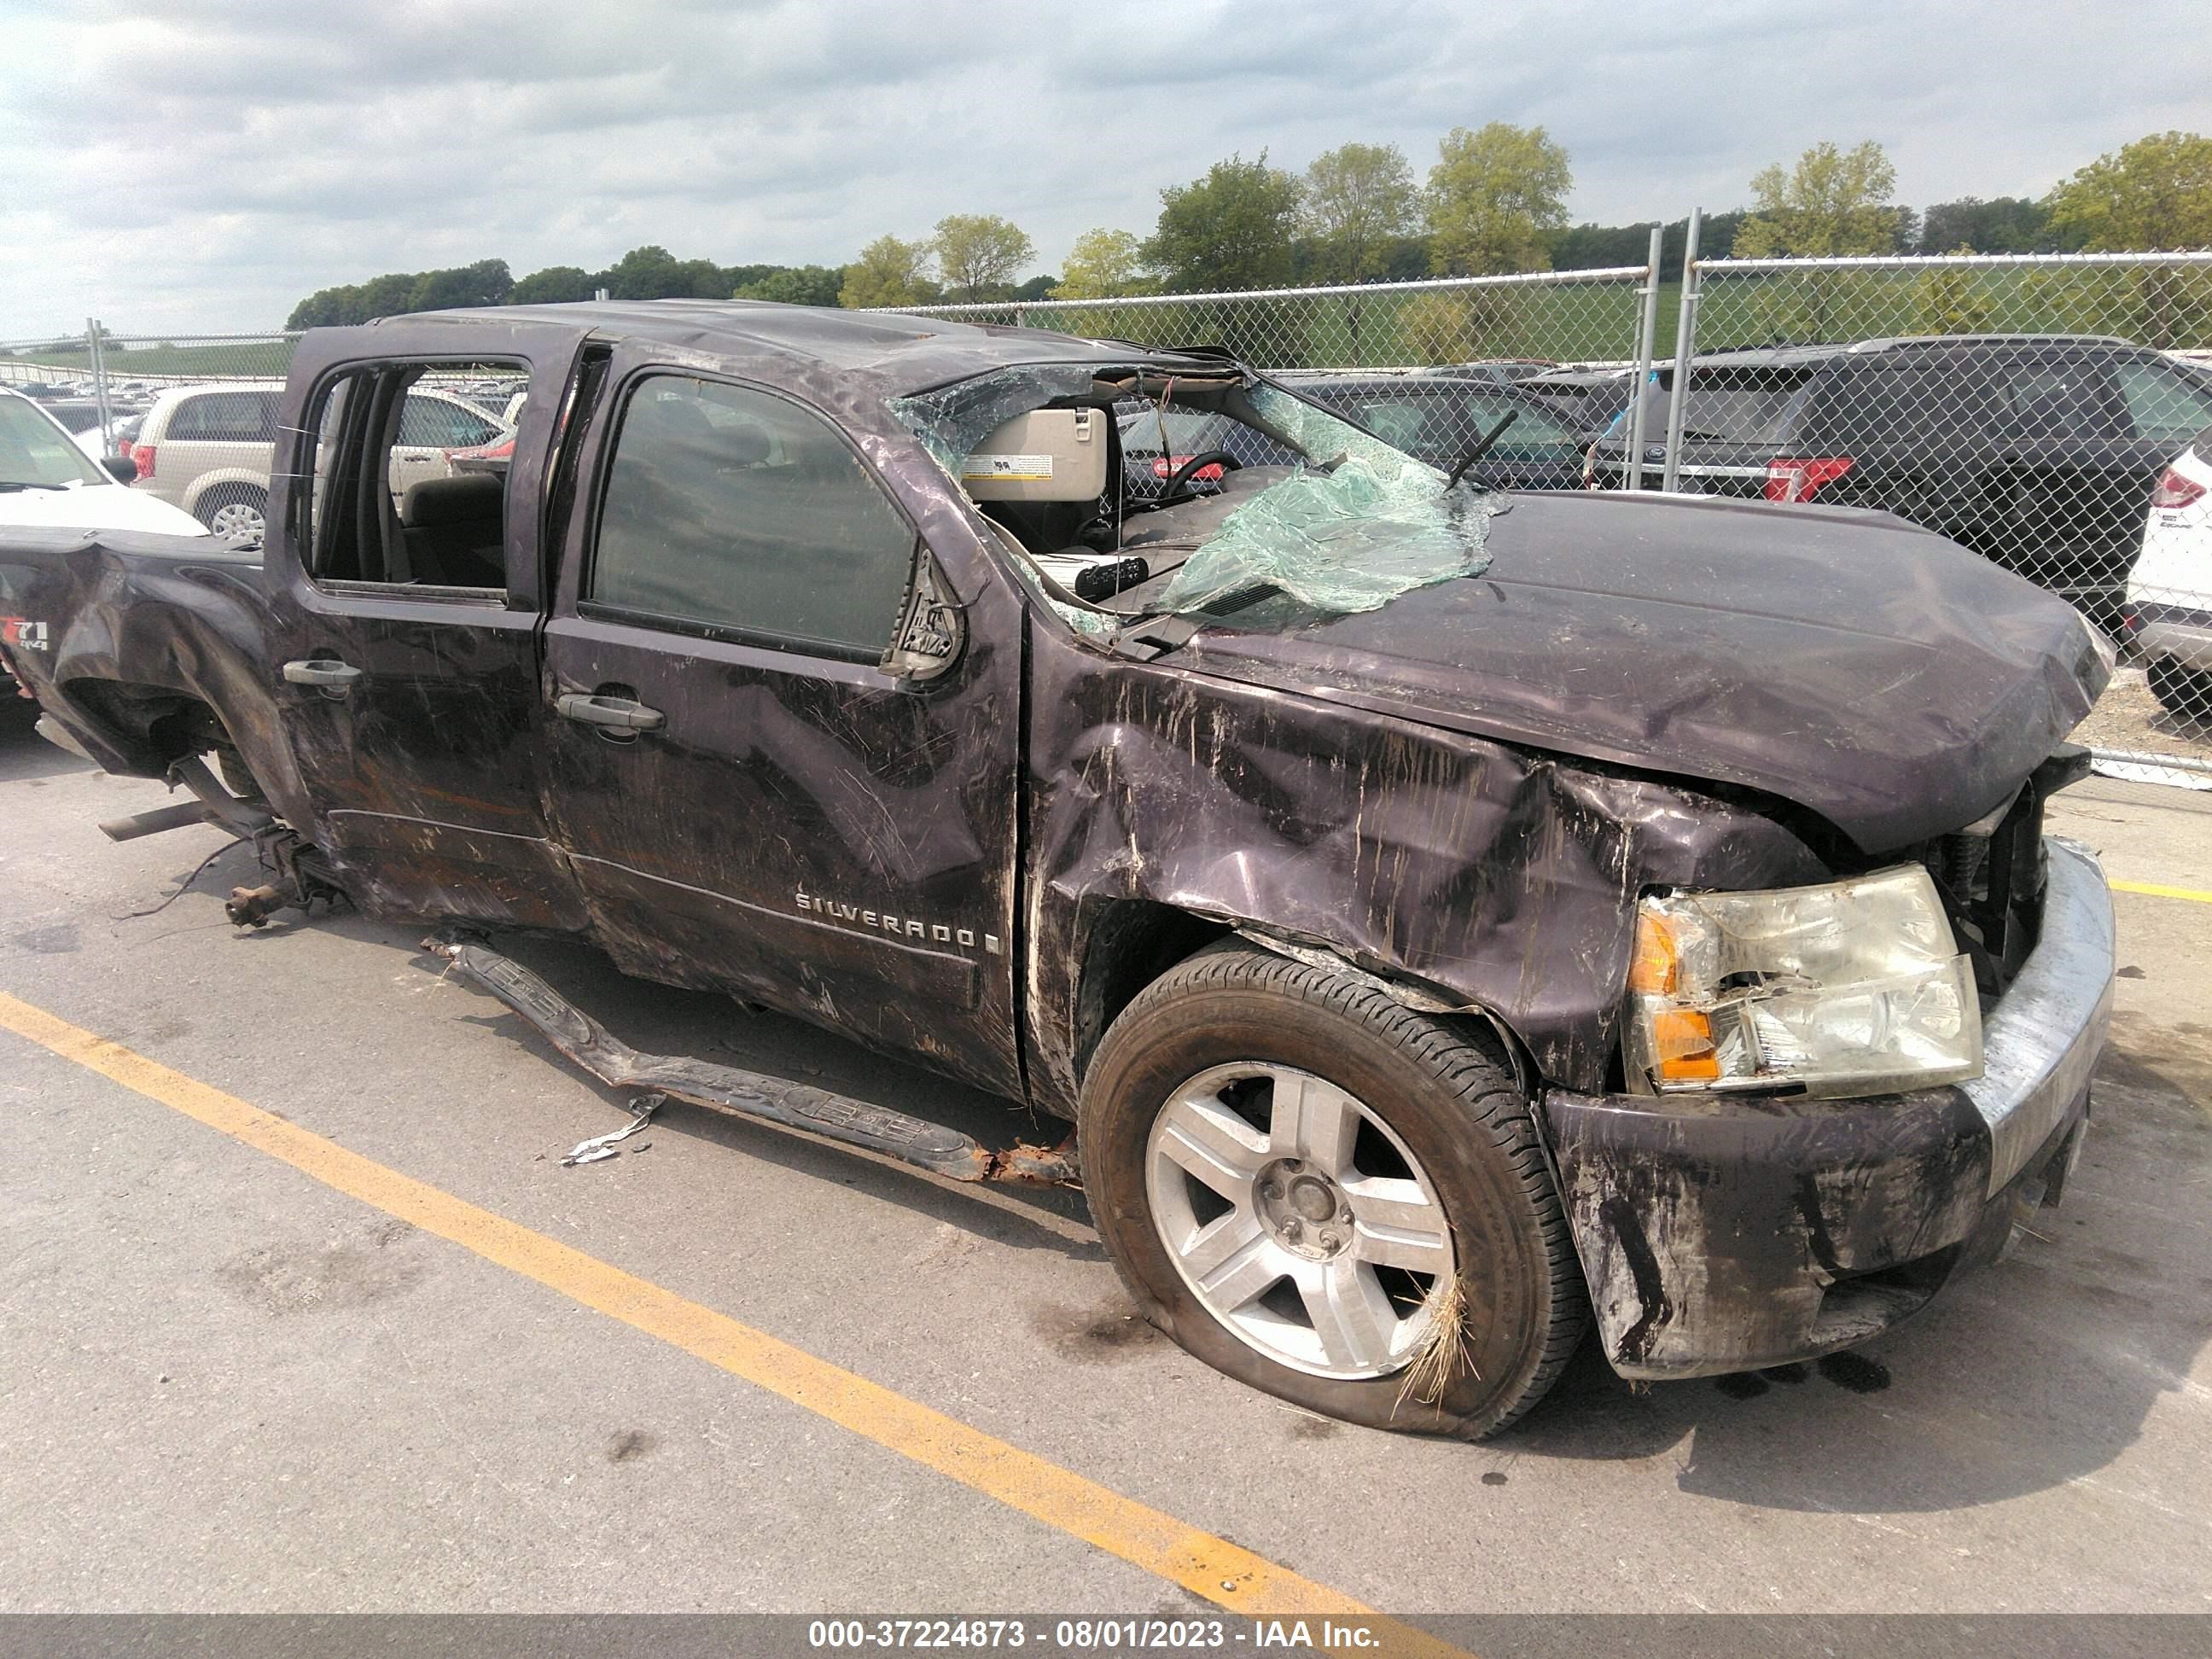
x=326, y=671
x=622, y=713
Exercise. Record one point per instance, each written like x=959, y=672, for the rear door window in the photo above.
x=230, y=417
x=1943, y=402
x=736, y=512
x=366, y=514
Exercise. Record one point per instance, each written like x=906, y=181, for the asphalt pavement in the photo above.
x=229, y=1383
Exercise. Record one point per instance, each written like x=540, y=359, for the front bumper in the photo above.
x=1726, y=1233
x=2183, y=633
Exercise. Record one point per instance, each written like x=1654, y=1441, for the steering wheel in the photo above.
x=1179, y=480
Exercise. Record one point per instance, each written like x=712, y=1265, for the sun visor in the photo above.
x=1046, y=455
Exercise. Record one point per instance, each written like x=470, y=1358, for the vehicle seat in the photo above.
x=456, y=530
x=745, y=444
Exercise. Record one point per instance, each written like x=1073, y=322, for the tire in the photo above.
x=2186, y=693
x=235, y=514
x=1208, y=1056
x=238, y=778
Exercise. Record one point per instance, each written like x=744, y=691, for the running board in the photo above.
x=936, y=1147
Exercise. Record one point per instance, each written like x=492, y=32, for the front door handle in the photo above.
x=326, y=671
x=622, y=713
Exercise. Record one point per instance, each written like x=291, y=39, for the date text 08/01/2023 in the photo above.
x=1076, y=1635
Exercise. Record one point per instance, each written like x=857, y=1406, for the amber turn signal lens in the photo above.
x=1654, y=968
x=1684, y=1040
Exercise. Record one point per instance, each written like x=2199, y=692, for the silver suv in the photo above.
x=205, y=448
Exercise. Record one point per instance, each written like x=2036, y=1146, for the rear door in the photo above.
x=751, y=804
x=409, y=702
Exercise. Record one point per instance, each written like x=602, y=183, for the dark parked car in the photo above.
x=1586, y=401
x=2040, y=452
x=1442, y=918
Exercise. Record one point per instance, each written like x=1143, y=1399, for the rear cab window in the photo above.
x=1748, y=405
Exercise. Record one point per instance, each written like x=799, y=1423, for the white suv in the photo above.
x=205, y=448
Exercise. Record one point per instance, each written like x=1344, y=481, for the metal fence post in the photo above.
x=1685, y=345
x=98, y=361
x=1647, y=342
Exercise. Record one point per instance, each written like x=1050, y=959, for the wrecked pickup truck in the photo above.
x=1447, y=918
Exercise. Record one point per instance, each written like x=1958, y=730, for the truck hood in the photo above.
x=1870, y=671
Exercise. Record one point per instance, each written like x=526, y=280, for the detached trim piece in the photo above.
x=932, y=1146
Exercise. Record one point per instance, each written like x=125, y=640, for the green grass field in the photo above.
x=220, y=359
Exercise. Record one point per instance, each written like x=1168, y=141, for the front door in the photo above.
x=751, y=804
x=408, y=702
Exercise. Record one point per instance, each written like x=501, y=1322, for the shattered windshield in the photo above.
x=1350, y=530
x=1311, y=516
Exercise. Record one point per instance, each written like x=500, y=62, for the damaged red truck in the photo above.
x=1447, y=918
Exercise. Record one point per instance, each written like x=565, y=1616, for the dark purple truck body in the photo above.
x=1462, y=793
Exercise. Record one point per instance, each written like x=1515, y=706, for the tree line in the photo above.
x=1494, y=201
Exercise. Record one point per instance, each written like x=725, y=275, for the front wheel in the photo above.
x=1329, y=1196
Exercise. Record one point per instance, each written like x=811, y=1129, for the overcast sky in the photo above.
x=202, y=164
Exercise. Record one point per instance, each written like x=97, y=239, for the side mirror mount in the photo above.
x=932, y=628
x=121, y=468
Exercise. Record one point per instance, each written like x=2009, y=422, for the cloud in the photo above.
x=204, y=165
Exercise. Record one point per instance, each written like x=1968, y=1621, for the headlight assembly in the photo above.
x=1853, y=988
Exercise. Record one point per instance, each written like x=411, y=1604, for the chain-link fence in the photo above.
x=2046, y=412
x=1493, y=325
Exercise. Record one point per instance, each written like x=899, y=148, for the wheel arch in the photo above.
x=1128, y=944
x=220, y=477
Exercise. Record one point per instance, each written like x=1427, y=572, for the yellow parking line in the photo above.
x=1222, y=1572
x=2195, y=894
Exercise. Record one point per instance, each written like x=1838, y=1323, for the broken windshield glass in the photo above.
x=1351, y=531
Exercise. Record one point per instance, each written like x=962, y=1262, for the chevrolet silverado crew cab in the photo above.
x=1449, y=919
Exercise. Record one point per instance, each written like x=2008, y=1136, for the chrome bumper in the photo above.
x=2041, y=1042
x=2189, y=644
